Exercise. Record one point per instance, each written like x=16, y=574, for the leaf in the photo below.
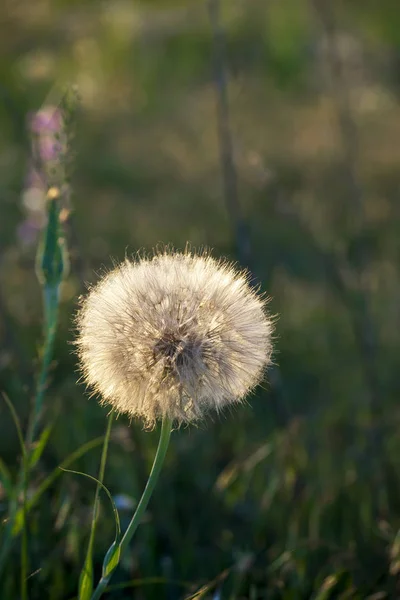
x=24, y=483
x=209, y=586
x=107, y=491
x=327, y=587
x=112, y=556
x=50, y=479
x=111, y=559
x=88, y=563
x=50, y=257
x=5, y=478
x=86, y=580
x=395, y=556
x=17, y=424
x=39, y=446
x=277, y=564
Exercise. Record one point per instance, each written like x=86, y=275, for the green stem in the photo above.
x=141, y=507
x=151, y=483
x=51, y=266
x=51, y=299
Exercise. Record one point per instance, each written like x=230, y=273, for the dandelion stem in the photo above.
x=137, y=517
x=151, y=483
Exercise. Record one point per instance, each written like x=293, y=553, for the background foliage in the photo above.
x=297, y=495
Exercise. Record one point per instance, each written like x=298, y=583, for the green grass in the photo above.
x=296, y=495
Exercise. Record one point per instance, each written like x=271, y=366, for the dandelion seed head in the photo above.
x=175, y=335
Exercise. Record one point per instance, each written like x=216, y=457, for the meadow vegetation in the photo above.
x=267, y=130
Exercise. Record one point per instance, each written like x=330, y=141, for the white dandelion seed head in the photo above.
x=175, y=335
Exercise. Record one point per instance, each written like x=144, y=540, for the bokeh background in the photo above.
x=267, y=130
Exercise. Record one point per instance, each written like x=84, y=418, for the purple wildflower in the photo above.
x=49, y=148
x=46, y=121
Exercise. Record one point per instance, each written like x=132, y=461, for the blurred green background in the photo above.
x=267, y=130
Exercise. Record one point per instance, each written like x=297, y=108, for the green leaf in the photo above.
x=89, y=554
x=5, y=478
x=395, y=556
x=50, y=258
x=278, y=563
x=39, y=446
x=111, y=559
x=17, y=424
x=50, y=479
x=107, y=491
x=86, y=581
x=12, y=506
x=327, y=587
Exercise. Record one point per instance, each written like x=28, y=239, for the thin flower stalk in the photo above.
x=143, y=503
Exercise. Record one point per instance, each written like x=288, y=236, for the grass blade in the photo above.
x=5, y=478
x=17, y=423
x=111, y=559
x=107, y=491
x=50, y=479
x=13, y=506
x=327, y=587
x=39, y=446
x=86, y=577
